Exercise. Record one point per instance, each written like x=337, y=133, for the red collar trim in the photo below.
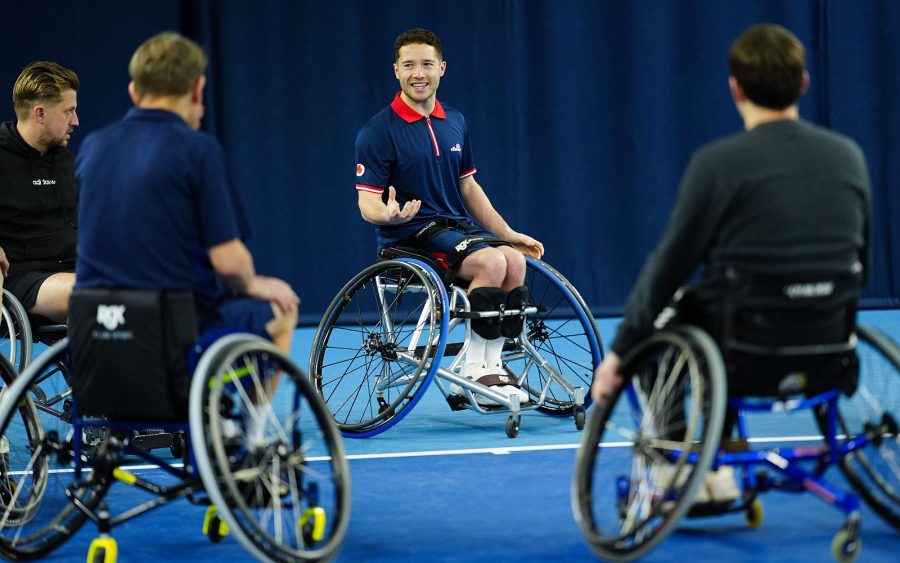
x=410, y=115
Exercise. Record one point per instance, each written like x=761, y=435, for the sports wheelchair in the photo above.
x=646, y=453
x=263, y=455
x=400, y=322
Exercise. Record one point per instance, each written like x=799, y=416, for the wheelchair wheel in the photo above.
x=379, y=345
x=645, y=453
x=564, y=334
x=268, y=452
x=36, y=468
x=15, y=332
x=874, y=410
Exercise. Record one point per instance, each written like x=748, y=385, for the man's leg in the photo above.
x=493, y=272
x=281, y=329
x=53, y=297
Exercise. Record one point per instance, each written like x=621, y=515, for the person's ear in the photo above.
x=133, y=93
x=804, y=84
x=197, y=93
x=737, y=93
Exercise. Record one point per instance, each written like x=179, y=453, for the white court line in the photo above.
x=472, y=451
x=505, y=451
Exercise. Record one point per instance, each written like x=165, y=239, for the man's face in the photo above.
x=419, y=71
x=59, y=120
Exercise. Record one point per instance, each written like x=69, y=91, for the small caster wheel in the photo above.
x=845, y=546
x=103, y=550
x=179, y=445
x=754, y=514
x=214, y=527
x=579, y=418
x=512, y=426
x=312, y=524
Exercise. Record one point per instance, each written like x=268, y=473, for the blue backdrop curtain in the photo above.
x=582, y=114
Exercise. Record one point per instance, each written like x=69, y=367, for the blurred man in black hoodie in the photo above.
x=37, y=190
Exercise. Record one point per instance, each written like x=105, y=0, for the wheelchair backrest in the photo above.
x=129, y=352
x=783, y=335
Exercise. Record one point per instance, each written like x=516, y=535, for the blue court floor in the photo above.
x=450, y=486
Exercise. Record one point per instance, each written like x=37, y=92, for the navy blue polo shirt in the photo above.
x=153, y=196
x=423, y=157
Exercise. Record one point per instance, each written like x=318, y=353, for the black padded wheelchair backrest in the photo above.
x=783, y=335
x=129, y=352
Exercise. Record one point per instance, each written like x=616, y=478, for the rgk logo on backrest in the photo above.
x=111, y=316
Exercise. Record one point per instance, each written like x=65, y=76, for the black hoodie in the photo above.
x=37, y=205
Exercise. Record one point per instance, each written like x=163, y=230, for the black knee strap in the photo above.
x=487, y=299
x=511, y=326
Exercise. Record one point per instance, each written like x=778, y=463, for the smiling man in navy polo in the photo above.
x=416, y=183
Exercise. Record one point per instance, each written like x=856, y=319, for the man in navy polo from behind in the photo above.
x=416, y=183
x=157, y=211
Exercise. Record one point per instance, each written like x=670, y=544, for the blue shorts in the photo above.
x=446, y=240
x=242, y=313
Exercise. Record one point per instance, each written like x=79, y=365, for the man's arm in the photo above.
x=376, y=211
x=233, y=263
x=480, y=207
x=4, y=266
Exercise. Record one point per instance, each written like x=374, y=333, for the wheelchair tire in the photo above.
x=16, y=339
x=874, y=410
x=36, y=468
x=379, y=345
x=565, y=334
x=638, y=467
x=268, y=451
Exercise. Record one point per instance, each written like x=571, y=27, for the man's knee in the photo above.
x=487, y=262
x=281, y=327
x=53, y=297
x=515, y=264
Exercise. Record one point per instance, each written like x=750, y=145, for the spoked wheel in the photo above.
x=15, y=332
x=36, y=468
x=643, y=458
x=564, y=334
x=874, y=411
x=268, y=452
x=379, y=345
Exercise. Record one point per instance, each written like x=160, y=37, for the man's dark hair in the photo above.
x=768, y=62
x=418, y=36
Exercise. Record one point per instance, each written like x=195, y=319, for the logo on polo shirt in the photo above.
x=360, y=169
x=456, y=148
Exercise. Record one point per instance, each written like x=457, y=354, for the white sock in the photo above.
x=473, y=366
x=492, y=350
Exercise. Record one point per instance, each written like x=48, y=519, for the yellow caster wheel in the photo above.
x=214, y=527
x=312, y=524
x=845, y=546
x=103, y=550
x=754, y=514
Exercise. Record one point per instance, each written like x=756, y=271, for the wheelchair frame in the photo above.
x=425, y=347
x=651, y=501
x=284, y=494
